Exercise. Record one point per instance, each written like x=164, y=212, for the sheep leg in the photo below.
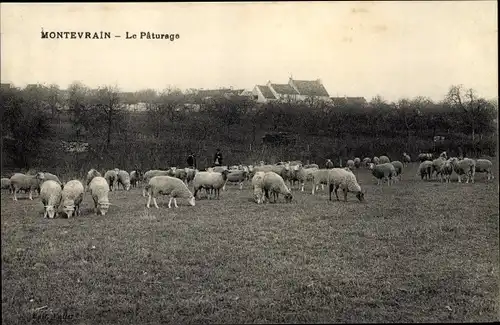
x=302, y=187
x=149, y=201
x=170, y=202
x=241, y=186
x=45, y=214
x=175, y=202
x=330, y=190
x=15, y=191
x=143, y=192
x=345, y=194
x=336, y=192
x=155, y=203
x=313, y=188
x=31, y=195
x=322, y=187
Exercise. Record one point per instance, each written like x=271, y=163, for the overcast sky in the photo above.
x=395, y=49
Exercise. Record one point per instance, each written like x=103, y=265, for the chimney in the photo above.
x=319, y=81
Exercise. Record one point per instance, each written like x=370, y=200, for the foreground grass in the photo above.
x=414, y=252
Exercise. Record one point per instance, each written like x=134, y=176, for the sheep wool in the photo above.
x=5, y=183
x=50, y=193
x=346, y=180
x=257, y=185
x=237, y=176
x=210, y=181
x=171, y=186
x=485, y=166
x=150, y=174
x=384, y=171
x=24, y=182
x=72, y=197
x=383, y=160
x=357, y=162
x=425, y=169
x=465, y=167
x=319, y=177
x=398, y=166
x=350, y=164
x=275, y=184
x=375, y=160
x=99, y=189
x=111, y=177
x=123, y=178
x=135, y=178
x=90, y=176
x=446, y=171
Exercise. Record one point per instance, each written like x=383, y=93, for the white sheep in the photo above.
x=190, y=174
x=485, y=166
x=375, y=161
x=6, y=184
x=257, y=185
x=385, y=171
x=150, y=174
x=123, y=178
x=465, y=167
x=302, y=175
x=99, y=189
x=111, y=177
x=219, y=169
x=350, y=164
x=171, y=186
x=366, y=162
x=179, y=173
x=424, y=156
x=344, y=179
x=319, y=177
x=211, y=181
x=50, y=193
x=425, y=169
x=90, y=176
x=275, y=184
x=406, y=159
x=237, y=176
x=383, y=160
x=72, y=197
x=443, y=155
x=311, y=166
x=357, y=162
x=24, y=182
x=446, y=171
x=398, y=166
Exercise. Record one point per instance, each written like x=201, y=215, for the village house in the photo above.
x=296, y=90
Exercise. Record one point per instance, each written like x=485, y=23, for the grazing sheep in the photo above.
x=171, y=186
x=72, y=197
x=375, y=160
x=436, y=166
x=6, y=184
x=123, y=179
x=398, y=166
x=383, y=160
x=99, y=189
x=344, y=179
x=319, y=176
x=350, y=164
x=465, y=167
x=111, y=177
x=425, y=169
x=424, y=156
x=257, y=185
x=50, y=193
x=329, y=164
x=275, y=184
x=446, y=171
x=366, y=162
x=90, y=176
x=384, y=171
x=485, y=166
x=303, y=174
x=150, y=174
x=406, y=159
x=24, y=182
x=357, y=162
x=135, y=177
x=237, y=176
x=210, y=181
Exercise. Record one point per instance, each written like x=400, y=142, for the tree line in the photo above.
x=36, y=119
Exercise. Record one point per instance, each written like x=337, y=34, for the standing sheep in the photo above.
x=150, y=174
x=50, y=193
x=302, y=175
x=319, y=176
x=111, y=177
x=446, y=171
x=275, y=184
x=123, y=178
x=341, y=178
x=383, y=160
x=237, y=176
x=398, y=166
x=210, y=181
x=90, y=176
x=485, y=166
x=99, y=189
x=24, y=182
x=135, y=178
x=375, y=160
x=425, y=169
x=178, y=173
x=350, y=164
x=366, y=162
x=436, y=166
x=424, y=156
x=190, y=174
x=171, y=186
x=357, y=162
x=406, y=159
x=257, y=185
x=384, y=171
x=6, y=184
x=465, y=167
x=72, y=197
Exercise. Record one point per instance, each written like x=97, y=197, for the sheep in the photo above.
x=366, y=162
x=406, y=159
x=6, y=184
x=398, y=166
x=329, y=164
x=357, y=162
x=311, y=166
x=383, y=160
x=484, y=166
x=443, y=155
x=424, y=156
x=111, y=177
x=384, y=171
x=72, y=197
x=375, y=160
x=257, y=185
x=210, y=180
x=150, y=174
x=350, y=164
x=168, y=185
x=29, y=183
x=344, y=179
x=319, y=176
x=446, y=171
x=425, y=169
x=99, y=189
x=237, y=176
x=302, y=175
x=179, y=173
x=219, y=169
x=190, y=173
x=90, y=176
x=135, y=177
x=436, y=165
x=275, y=184
x=123, y=179
x=465, y=167
x=50, y=193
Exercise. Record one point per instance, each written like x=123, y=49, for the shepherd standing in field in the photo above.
x=191, y=161
x=218, y=158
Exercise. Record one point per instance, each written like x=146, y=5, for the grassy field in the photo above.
x=414, y=252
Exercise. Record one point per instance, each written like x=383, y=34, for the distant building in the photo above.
x=264, y=94
x=6, y=86
x=296, y=90
x=309, y=89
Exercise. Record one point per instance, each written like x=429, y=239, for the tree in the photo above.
x=107, y=109
x=79, y=107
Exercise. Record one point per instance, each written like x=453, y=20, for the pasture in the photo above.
x=418, y=251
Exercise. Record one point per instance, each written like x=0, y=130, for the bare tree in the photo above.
x=107, y=109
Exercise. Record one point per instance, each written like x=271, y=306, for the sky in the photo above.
x=392, y=49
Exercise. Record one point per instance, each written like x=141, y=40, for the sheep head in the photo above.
x=288, y=197
x=361, y=196
x=51, y=211
x=69, y=209
x=104, y=207
x=192, y=201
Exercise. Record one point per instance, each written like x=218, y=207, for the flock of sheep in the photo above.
x=275, y=179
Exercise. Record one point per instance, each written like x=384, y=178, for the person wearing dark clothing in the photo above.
x=191, y=161
x=218, y=158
